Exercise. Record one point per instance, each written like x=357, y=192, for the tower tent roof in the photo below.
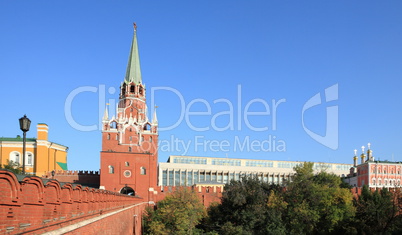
x=133, y=73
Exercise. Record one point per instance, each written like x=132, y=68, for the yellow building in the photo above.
x=41, y=155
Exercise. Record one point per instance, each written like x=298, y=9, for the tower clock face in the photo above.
x=127, y=173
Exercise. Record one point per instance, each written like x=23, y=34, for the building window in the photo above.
x=132, y=88
x=108, y=136
x=150, y=139
x=373, y=181
x=164, y=178
x=111, y=169
x=15, y=157
x=129, y=149
x=176, y=178
x=130, y=138
x=127, y=163
x=29, y=159
x=143, y=170
x=127, y=173
x=171, y=177
x=379, y=182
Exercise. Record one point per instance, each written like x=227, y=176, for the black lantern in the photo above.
x=25, y=123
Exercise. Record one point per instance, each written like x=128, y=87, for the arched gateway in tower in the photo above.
x=129, y=153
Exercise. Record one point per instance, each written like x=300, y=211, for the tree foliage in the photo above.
x=243, y=208
x=377, y=211
x=310, y=203
x=178, y=213
x=316, y=202
x=12, y=166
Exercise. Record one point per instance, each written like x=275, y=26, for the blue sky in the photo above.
x=207, y=51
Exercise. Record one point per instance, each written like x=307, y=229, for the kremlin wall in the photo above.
x=34, y=205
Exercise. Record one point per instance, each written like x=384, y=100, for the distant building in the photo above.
x=41, y=155
x=374, y=173
x=186, y=170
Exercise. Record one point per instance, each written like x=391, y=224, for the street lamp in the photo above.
x=25, y=123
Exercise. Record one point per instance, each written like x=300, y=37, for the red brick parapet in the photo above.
x=35, y=205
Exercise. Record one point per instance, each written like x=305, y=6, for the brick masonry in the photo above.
x=33, y=205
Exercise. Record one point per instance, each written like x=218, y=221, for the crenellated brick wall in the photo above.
x=87, y=178
x=29, y=204
x=34, y=205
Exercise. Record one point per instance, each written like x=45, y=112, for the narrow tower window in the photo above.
x=143, y=170
x=111, y=169
x=129, y=149
x=132, y=89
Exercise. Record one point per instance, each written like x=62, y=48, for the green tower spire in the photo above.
x=133, y=73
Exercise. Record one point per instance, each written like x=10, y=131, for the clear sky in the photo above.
x=251, y=69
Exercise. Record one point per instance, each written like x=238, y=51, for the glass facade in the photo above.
x=189, y=160
x=226, y=162
x=259, y=163
x=343, y=167
x=191, y=177
x=290, y=165
x=279, y=171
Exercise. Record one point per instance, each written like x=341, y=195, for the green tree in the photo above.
x=316, y=203
x=178, y=213
x=12, y=166
x=243, y=209
x=377, y=212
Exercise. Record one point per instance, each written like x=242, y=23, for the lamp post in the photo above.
x=25, y=123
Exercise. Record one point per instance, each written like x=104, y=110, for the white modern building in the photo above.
x=189, y=170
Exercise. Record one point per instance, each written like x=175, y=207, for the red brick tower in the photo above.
x=129, y=153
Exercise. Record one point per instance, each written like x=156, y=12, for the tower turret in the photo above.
x=369, y=153
x=362, y=156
